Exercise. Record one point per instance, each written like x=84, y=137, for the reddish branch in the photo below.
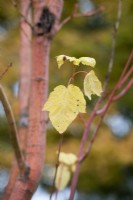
x=124, y=79
x=128, y=86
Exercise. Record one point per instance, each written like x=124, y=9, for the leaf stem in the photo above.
x=74, y=74
x=57, y=164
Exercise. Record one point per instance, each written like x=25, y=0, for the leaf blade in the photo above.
x=62, y=177
x=92, y=85
x=64, y=104
x=76, y=61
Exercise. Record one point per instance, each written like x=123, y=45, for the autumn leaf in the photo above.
x=67, y=158
x=88, y=61
x=92, y=85
x=62, y=177
x=63, y=105
x=76, y=61
x=67, y=164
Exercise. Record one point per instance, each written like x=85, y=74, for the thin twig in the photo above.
x=74, y=74
x=21, y=14
x=128, y=86
x=13, y=132
x=81, y=118
x=23, y=17
x=126, y=76
x=57, y=164
x=83, y=157
x=112, y=56
x=77, y=15
x=126, y=68
x=5, y=70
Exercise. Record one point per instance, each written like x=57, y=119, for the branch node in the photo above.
x=25, y=175
x=45, y=23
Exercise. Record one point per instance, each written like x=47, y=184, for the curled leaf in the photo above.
x=76, y=61
x=60, y=60
x=64, y=104
x=92, y=85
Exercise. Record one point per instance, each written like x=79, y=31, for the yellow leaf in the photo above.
x=92, y=85
x=62, y=177
x=64, y=104
x=88, y=61
x=60, y=60
x=76, y=61
x=67, y=158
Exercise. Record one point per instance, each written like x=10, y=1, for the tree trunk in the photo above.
x=46, y=20
x=24, y=84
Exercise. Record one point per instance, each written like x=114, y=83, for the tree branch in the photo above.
x=24, y=16
x=5, y=70
x=126, y=77
x=13, y=132
x=128, y=86
x=126, y=67
x=77, y=15
x=112, y=56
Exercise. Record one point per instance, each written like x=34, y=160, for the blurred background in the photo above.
x=108, y=171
